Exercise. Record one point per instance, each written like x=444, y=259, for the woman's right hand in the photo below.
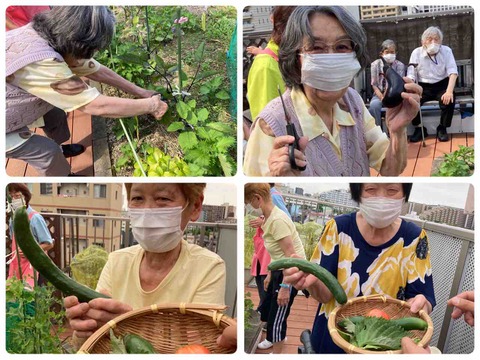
x=86, y=318
x=257, y=222
x=279, y=160
x=159, y=107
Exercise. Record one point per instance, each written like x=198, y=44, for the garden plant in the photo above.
x=180, y=53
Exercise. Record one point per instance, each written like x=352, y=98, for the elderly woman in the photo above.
x=45, y=62
x=371, y=251
x=281, y=241
x=322, y=49
x=388, y=55
x=162, y=268
x=436, y=72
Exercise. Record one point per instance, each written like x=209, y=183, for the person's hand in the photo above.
x=159, y=107
x=228, y=339
x=409, y=347
x=297, y=278
x=256, y=223
x=86, y=318
x=283, y=296
x=447, y=98
x=464, y=304
x=418, y=303
x=279, y=160
x=400, y=116
x=145, y=94
x=254, y=50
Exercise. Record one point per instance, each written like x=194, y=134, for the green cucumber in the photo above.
x=43, y=264
x=407, y=323
x=135, y=344
x=411, y=323
x=319, y=272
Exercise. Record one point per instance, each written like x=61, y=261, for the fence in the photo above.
x=73, y=233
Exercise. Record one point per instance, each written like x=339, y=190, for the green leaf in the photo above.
x=192, y=104
x=198, y=56
x=175, y=126
x=222, y=95
x=222, y=127
x=204, y=90
x=202, y=133
x=379, y=334
x=199, y=157
x=225, y=142
x=135, y=20
x=192, y=118
x=122, y=161
x=183, y=109
x=118, y=347
x=216, y=82
x=159, y=61
x=187, y=140
x=134, y=58
x=202, y=114
x=226, y=167
x=206, y=74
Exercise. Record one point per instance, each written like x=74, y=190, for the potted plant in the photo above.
x=461, y=162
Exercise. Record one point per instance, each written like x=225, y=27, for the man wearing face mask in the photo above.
x=162, y=268
x=371, y=251
x=322, y=50
x=436, y=72
x=21, y=196
x=388, y=56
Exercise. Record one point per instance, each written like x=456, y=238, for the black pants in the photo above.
x=274, y=315
x=259, y=280
x=435, y=92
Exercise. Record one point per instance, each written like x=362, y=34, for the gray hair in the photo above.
x=432, y=31
x=78, y=31
x=298, y=29
x=386, y=44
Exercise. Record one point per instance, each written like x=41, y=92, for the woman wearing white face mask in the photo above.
x=371, y=251
x=436, y=73
x=163, y=268
x=322, y=49
x=388, y=52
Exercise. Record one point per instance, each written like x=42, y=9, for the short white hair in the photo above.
x=432, y=31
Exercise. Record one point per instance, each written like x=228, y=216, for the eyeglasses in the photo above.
x=343, y=46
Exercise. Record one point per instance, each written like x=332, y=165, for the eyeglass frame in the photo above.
x=332, y=47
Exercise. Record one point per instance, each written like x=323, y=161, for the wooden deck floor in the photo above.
x=80, y=125
x=301, y=317
x=420, y=160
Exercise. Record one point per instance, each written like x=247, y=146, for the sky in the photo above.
x=217, y=194
x=426, y=193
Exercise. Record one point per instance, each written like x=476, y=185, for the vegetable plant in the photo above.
x=461, y=162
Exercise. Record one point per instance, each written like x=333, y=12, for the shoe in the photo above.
x=72, y=150
x=265, y=344
x=442, y=133
x=417, y=134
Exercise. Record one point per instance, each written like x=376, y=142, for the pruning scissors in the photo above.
x=293, y=132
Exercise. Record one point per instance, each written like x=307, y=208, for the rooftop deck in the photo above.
x=80, y=125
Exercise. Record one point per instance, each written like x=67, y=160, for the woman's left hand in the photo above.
x=418, y=303
x=400, y=116
x=283, y=296
x=145, y=94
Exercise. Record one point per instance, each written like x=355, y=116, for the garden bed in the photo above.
x=198, y=133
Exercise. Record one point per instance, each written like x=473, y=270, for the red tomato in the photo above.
x=193, y=349
x=378, y=313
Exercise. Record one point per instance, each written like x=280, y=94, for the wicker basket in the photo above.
x=360, y=306
x=167, y=327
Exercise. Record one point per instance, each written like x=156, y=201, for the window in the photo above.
x=46, y=189
x=98, y=222
x=99, y=191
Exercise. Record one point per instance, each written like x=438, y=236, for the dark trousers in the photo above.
x=435, y=92
x=259, y=280
x=276, y=316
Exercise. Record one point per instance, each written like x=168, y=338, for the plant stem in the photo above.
x=148, y=30
x=178, y=30
x=133, y=148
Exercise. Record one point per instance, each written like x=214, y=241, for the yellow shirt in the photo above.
x=198, y=276
x=41, y=79
x=278, y=226
x=260, y=144
x=264, y=77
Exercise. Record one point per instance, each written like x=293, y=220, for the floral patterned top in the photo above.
x=399, y=268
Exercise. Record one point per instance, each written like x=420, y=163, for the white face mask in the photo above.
x=380, y=212
x=433, y=48
x=157, y=230
x=389, y=58
x=329, y=72
x=252, y=211
x=16, y=203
